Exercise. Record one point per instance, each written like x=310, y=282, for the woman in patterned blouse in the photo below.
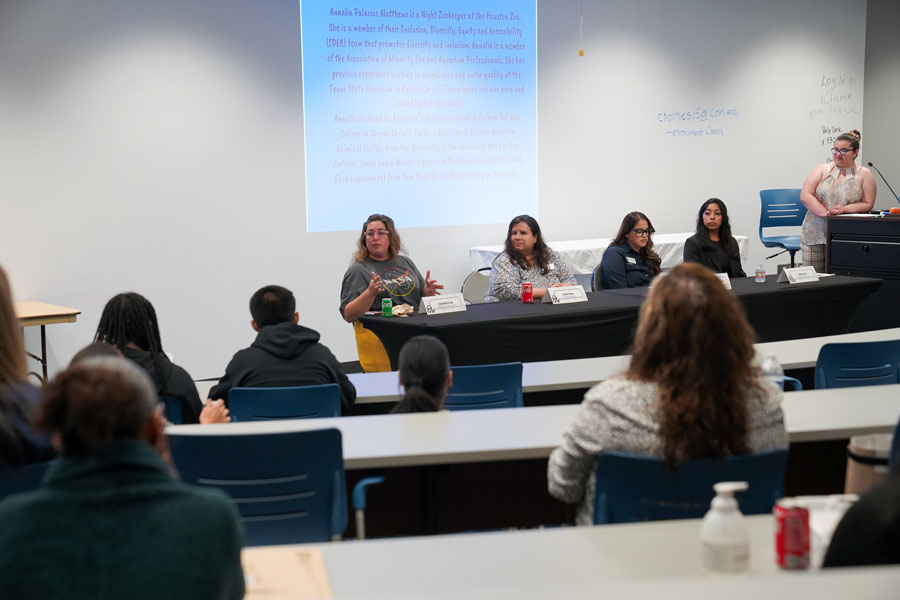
x=527, y=259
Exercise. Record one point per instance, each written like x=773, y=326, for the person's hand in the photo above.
x=214, y=412
x=431, y=285
x=562, y=284
x=836, y=210
x=375, y=284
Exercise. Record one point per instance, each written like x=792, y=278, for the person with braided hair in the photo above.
x=692, y=390
x=425, y=375
x=111, y=520
x=129, y=323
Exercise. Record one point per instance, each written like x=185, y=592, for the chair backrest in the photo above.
x=642, y=488
x=298, y=402
x=780, y=208
x=485, y=386
x=173, y=409
x=23, y=479
x=476, y=285
x=597, y=279
x=289, y=488
x=858, y=363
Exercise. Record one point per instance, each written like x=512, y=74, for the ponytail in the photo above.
x=424, y=368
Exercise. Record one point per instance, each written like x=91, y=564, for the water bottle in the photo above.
x=760, y=273
x=772, y=370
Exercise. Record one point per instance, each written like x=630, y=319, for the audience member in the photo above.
x=424, y=374
x=19, y=444
x=692, y=390
x=129, y=323
x=869, y=533
x=526, y=258
x=284, y=352
x=110, y=521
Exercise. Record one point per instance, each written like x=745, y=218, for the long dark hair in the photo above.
x=725, y=238
x=694, y=342
x=129, y=317
x=13, y=373
x=394, y=245
x=424, y=365
x=541, y=250
x=651, y=258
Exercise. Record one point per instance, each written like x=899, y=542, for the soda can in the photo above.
x=527, y=293
x=387, y=306
x=791, y=534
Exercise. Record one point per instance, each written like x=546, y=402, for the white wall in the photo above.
x=157, y=147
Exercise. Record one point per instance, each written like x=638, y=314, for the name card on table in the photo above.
x=798, y=275
x=723, y=277
x=438, y=305
x=565, y=295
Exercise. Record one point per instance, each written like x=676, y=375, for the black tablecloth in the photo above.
x=604, y=325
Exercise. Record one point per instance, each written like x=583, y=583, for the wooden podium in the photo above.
x=868, y=246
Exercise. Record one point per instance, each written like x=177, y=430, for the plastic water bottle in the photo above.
x=724, y=539
x=760, y=274
x=772, y=370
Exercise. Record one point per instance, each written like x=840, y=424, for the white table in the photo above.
x=639, y=560
x=582, y=256
x=580, y=373
x=445, y=437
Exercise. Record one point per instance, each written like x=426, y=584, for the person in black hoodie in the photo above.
x=284, y=353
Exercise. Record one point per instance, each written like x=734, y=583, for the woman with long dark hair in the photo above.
x=630, y=260
x=380, y=270
x=692, y=390
x=19, y=443
x=129, y=323
x=713, y=246
x=425, y=375
x=526, y=259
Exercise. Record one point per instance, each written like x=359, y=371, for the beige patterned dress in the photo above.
x=830, y=193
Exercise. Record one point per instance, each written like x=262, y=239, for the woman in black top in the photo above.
x=713, y=245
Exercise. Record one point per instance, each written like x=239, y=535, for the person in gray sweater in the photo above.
x=692, y=390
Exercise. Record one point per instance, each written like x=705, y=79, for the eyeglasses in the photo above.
x=640, y=232
x=375, y=234
x=841, y=150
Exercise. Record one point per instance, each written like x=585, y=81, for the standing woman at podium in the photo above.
x=526, y=259
x=835, y=188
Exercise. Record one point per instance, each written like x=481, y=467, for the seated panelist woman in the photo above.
x=526, y=259
x=713, y=245
x=379, y=271
x=630, y=260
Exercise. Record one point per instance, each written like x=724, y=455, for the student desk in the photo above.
x=635, y=560
x=40, y=313
x=604, y=325
x=532, y=432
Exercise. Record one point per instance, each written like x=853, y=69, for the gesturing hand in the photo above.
x=375, y=284
x=431, y=285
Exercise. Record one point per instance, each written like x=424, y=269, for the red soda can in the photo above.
x=527, y=293
x=791, y=534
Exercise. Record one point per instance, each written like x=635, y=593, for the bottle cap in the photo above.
x=730, y=487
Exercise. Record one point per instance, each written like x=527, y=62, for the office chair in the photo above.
x=857, y=364
x=781, y=208
x=597, y=279
x=476, y=285
x=172, y=408
x=643, y=488
x=485, y=386
x=297, y=402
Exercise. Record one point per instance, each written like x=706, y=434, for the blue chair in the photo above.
x=485, y=386
x=643, y=488
x=23, y=479
x=289, y=488
x=299, y=402
x=781, y=208
x=173, y=409
x=858, y=363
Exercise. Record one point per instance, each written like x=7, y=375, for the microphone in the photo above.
x=885, y=182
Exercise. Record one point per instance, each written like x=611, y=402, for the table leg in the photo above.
x=42, y=358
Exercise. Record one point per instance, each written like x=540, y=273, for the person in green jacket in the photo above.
x=110, y=520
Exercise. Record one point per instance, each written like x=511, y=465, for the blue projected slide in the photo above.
x=428, y=115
